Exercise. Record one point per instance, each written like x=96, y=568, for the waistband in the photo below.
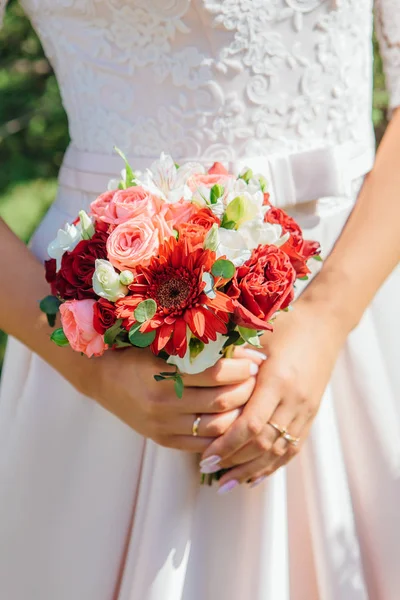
x=294, y=178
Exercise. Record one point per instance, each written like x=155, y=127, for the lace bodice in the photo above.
x=216, y=77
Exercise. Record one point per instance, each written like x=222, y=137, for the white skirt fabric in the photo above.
x=90, y=510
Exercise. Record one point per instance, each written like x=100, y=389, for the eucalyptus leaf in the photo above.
x=250, y=336
x=318, y=257
x=223, y=268
x=50, y=305
x=139, y=339
x=145, y=310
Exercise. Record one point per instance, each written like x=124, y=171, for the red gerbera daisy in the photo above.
x=174, y=280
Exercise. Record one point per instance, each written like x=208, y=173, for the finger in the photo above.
x=207, y=400
x=251, y=451
x=226, y=371
x=250, y=424
x=299, y=429
x=188, y=443
x=241, y=474
x=209, y=425
x=245, y=352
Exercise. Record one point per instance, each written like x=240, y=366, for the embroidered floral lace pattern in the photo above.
x=211, y=78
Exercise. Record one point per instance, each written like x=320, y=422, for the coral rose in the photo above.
x=137, y=241
x=77, y=323
x=218, y=169
x=180, y=212
x=204, y=217
x=193, y=232
x=263, y=285
x=119, y=206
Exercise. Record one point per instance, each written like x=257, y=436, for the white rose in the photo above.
x=106, y=282
x=209, y=355
x=67, y=239
x=233, y=245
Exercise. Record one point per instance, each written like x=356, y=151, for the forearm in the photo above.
x=22, y=287
x=368, y=249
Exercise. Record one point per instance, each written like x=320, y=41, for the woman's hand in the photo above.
x=123, y=383
x=301, y=353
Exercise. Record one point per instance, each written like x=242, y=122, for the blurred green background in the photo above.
x=34, y=131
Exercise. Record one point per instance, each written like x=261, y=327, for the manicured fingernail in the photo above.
x=255, y=354
x=228, y=486
x=257, y=481
x=210, y=460
x=207, y=469
x=253, y=369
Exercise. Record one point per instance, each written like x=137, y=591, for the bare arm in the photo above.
x=369, y=246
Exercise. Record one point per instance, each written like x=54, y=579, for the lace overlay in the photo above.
x=212, y=78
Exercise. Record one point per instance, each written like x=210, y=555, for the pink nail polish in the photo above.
x=210, y=460
x=228, y=486
x=257, y=481
x=207, y=469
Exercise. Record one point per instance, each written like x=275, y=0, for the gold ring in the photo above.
x=195, y=426
x=291, y=439
x=278, y=428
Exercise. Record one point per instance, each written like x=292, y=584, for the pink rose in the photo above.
x=99, y=206
x=208, y=180
x=136, y=242
x=77, y=323
x=124, y=205
x=180, y=212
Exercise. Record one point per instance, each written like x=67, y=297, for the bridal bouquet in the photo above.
x=185, y=261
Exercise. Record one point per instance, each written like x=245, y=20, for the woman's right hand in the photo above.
x=123, y=383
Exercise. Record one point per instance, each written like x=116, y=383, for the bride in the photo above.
x=99, y=470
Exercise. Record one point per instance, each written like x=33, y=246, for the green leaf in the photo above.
x=250, y=336
x=217, y=191
x=50, y=305
x=223, y=268
x=318, y=257
x=145, y=310
x=139, y=339
x=247, y=175
x=263, y=184
x=234, y=336
x=179, y=387
x=226, y=224
x=305, y=278
x=112, y=332
x=159, y=377
x=130, y=176
x=58, y=337
x=170, y=374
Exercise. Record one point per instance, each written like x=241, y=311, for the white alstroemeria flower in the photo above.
x=206, y=358
x=233, y=245
x=106, y=281
x=67, y=239
x=209, y=288
x=253, y=194
x=201, y=196
x=257, y=232
x=171, y=183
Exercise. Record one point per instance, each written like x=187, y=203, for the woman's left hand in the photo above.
x=301, y=352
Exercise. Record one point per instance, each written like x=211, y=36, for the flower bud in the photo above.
x=126, y=277
x=87, y=227
x=211, y=239
x=246, y=174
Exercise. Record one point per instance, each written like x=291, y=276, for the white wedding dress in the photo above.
x=90, y=510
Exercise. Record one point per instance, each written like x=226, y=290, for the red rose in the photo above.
x=74, y=279
x=204, y=217
x=51, y=274
x=193, y=232
x=298, y=249
x=261, y=287
x=103, y=315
